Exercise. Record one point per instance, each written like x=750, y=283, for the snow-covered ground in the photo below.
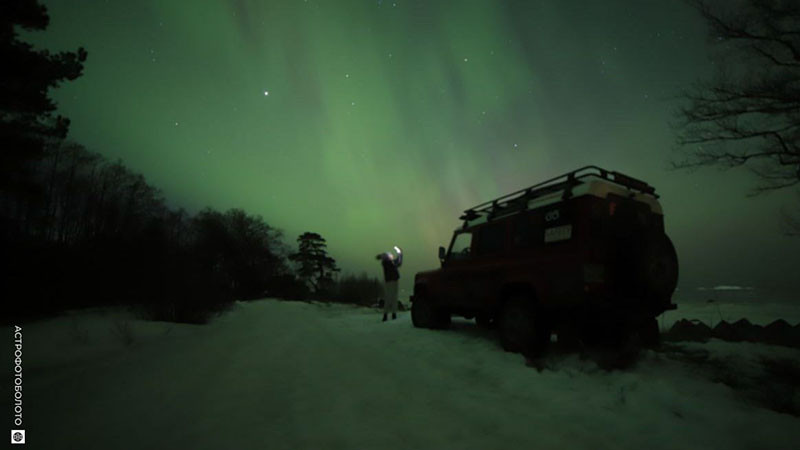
x=288, y=375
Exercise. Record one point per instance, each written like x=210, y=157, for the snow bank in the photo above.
x=727, y=287
x=732, y=306
x=285, y=375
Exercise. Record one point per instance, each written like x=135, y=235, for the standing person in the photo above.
x=390, y=264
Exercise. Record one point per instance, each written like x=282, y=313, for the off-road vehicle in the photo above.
x=583, y=255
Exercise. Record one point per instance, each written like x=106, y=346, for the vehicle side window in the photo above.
x=527, y=231
x=461, y=247
x=491, y=239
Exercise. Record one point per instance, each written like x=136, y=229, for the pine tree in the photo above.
x=27, y=123
x=315, y=266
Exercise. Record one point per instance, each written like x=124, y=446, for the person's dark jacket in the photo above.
x=390, y=272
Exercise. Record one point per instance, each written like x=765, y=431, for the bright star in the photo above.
x=266, y=93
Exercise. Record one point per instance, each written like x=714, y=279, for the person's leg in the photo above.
x=385, y=300
x=392, y=298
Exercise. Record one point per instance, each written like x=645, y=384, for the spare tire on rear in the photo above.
x=657, y=265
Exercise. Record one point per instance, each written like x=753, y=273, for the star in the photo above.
x=266, y=93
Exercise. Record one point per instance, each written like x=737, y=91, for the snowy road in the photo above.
x=283, y=375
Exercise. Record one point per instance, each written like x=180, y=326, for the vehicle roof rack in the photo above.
x=564, y=182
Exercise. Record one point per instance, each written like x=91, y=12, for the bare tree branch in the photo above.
x=749, y=113
x=772, y=58
x=740, y=28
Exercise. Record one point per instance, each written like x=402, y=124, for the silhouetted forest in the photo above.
x=91, y=232
x=77, y=230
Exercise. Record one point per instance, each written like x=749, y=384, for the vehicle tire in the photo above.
x=520, y=329
x=649, y=334
x=423, y=313
x=658, y=266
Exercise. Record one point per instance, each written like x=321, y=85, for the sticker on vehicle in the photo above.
x=555, y=234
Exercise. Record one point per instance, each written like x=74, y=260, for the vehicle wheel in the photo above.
x=520, y=331
x=649, y=334
x=423, y=313
x=658, y=265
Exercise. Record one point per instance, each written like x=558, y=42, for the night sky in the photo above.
x=376, y=123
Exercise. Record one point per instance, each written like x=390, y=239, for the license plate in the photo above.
x=555, y=234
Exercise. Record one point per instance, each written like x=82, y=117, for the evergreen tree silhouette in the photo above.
x=27, y=122
x=315, y=266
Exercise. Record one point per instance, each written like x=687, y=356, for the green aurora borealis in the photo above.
x=384, y=120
